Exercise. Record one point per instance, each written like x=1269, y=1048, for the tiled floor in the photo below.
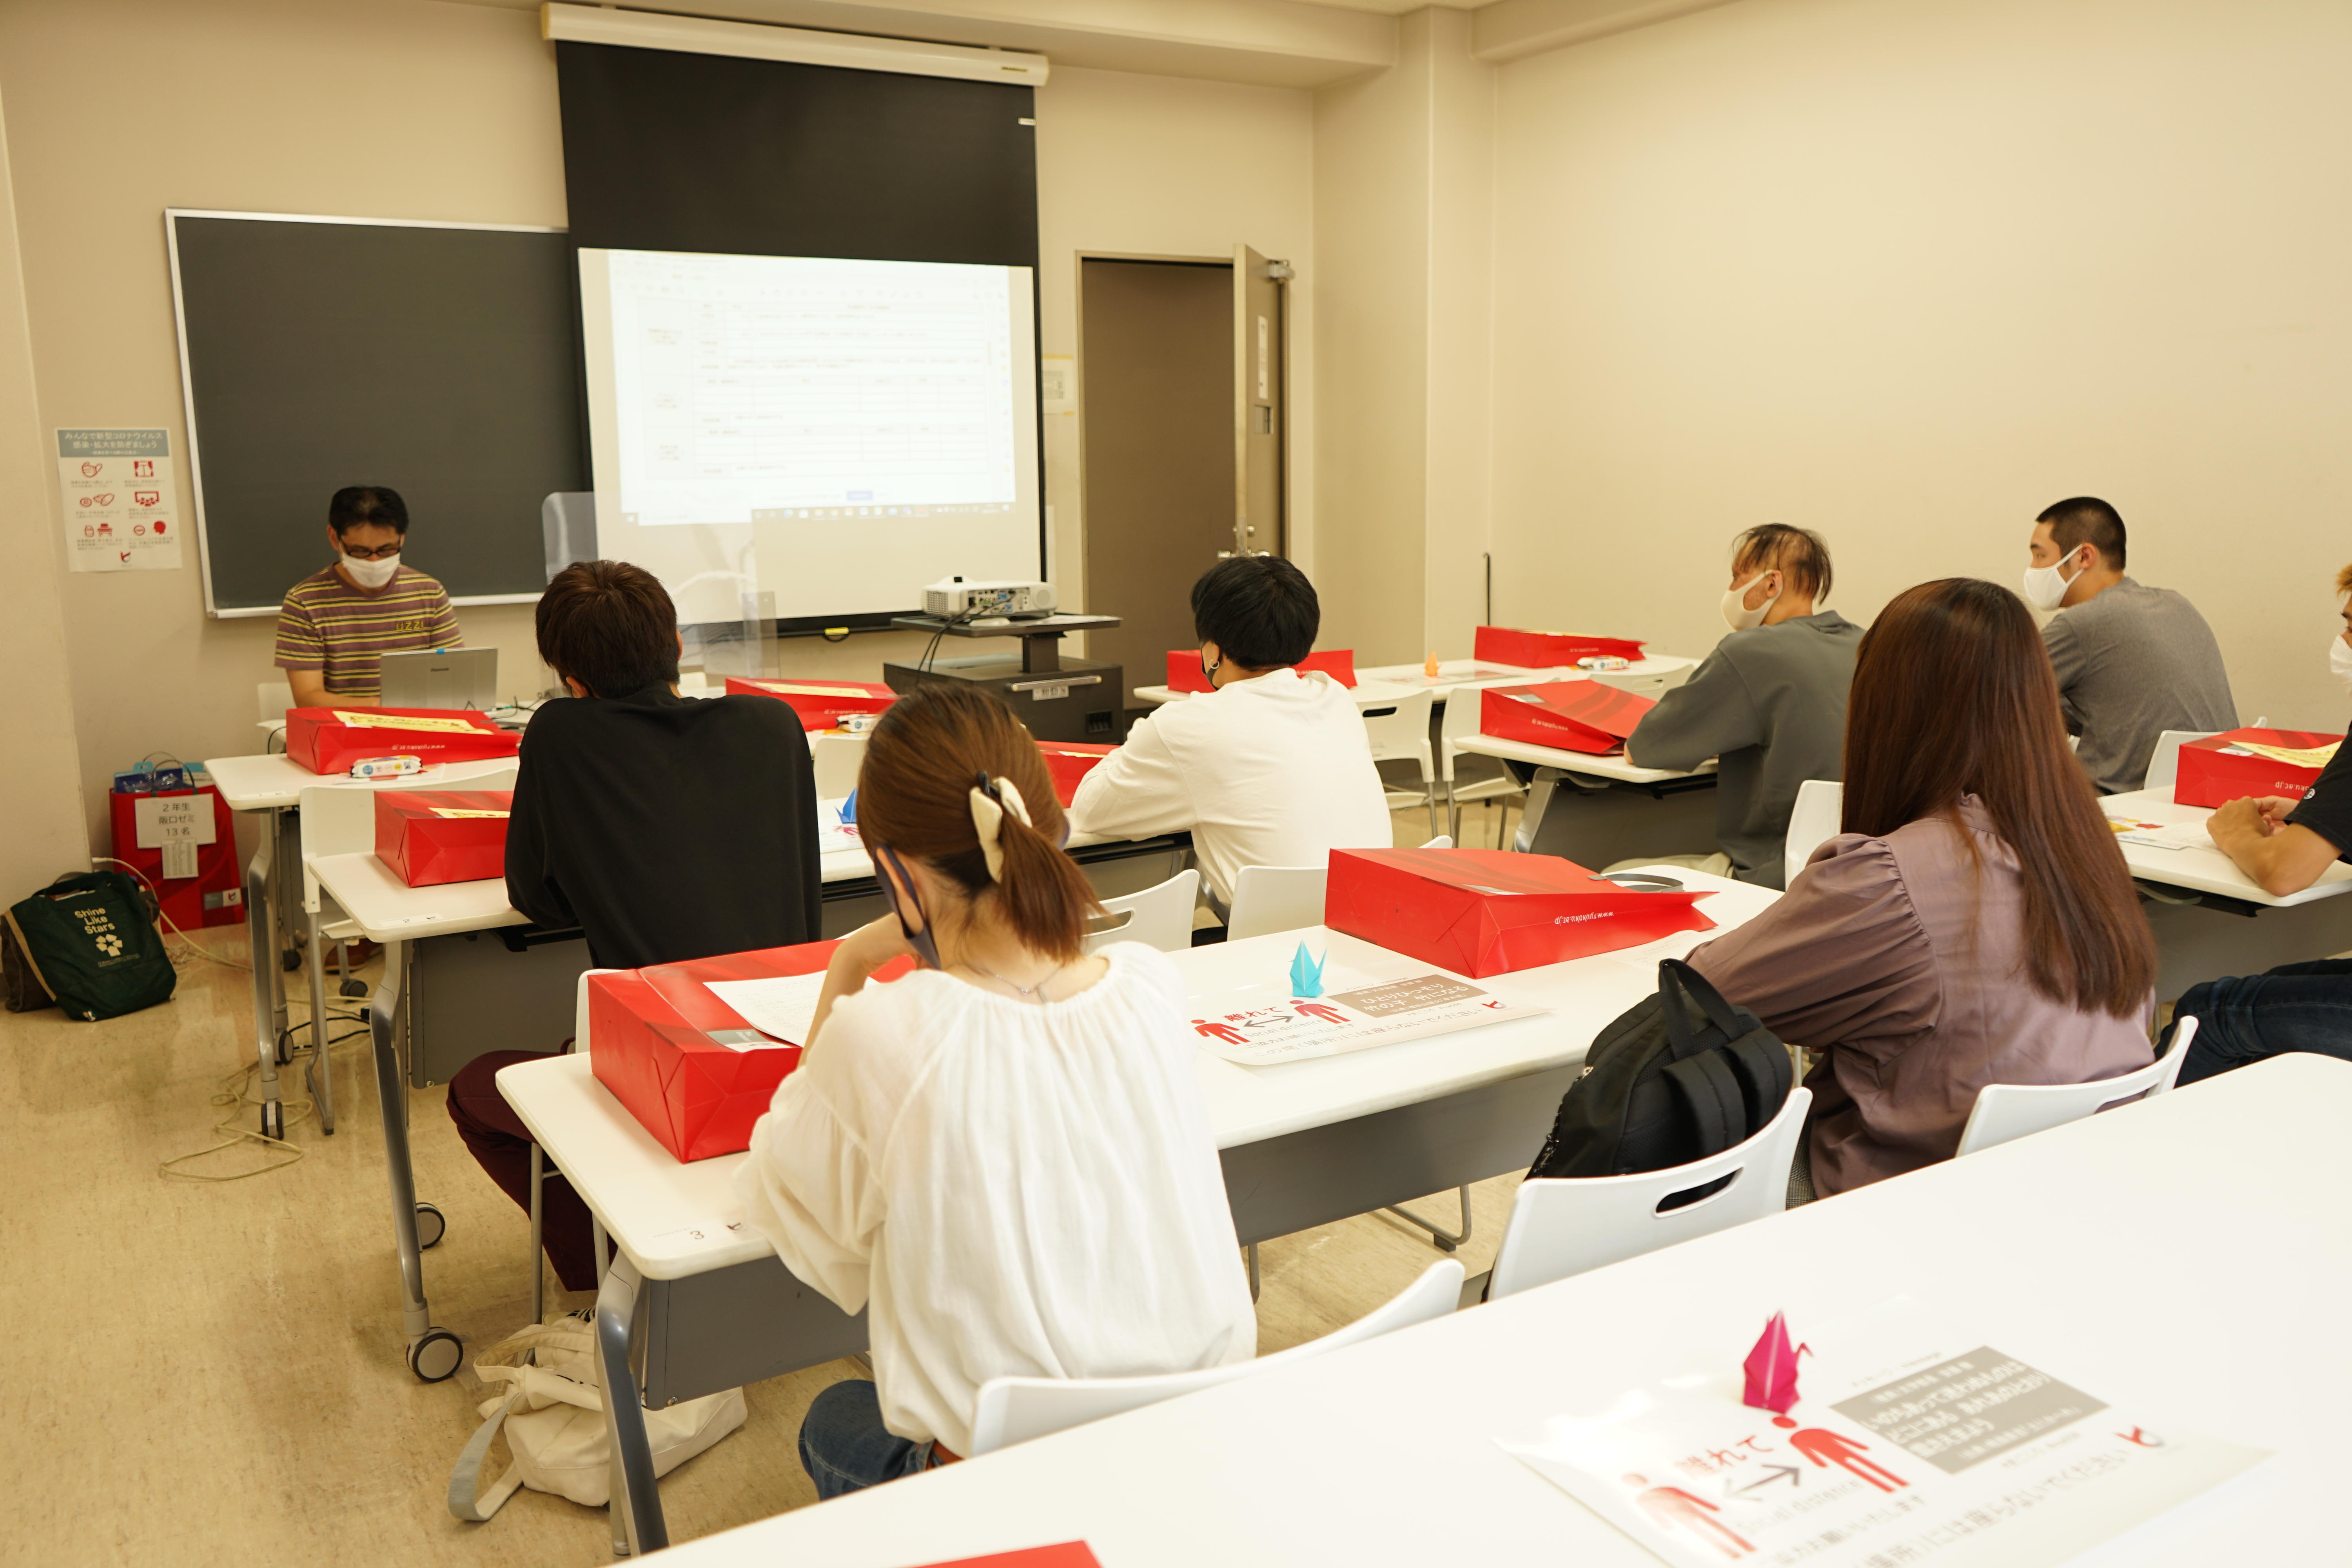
x=209, y=1372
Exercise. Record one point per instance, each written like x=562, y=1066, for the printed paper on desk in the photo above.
x=2161, y=835
x=1914, y=1443
x=783, y=1005
x=833, y=834
x=1259, y=1026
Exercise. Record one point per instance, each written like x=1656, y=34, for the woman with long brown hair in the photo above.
x=1004, y=1154
x=1974, y=923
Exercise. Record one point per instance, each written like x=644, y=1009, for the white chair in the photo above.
x=836, y=759
x=1813, y=821
x=1399, y=732
x=1161, y=916
x=1275, y=898
x=1563, y=1227
x=1015, y=1409
x=1441, y=841
x=2164, y=762
x=271, y=699
x=1462, y=713
x=2008, y=1110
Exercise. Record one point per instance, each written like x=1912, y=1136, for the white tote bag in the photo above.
x=553, y=1416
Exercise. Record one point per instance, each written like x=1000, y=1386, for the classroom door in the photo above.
x=1156, y=383
x=1260, y=483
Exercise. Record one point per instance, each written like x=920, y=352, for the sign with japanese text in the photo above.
x=1905, y=1448
x=122, y=514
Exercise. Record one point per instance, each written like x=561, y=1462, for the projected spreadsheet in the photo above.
x=760, y=389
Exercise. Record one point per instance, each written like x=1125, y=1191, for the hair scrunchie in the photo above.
x=992, y=798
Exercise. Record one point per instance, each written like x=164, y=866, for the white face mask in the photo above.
x=2045, y=585
x=371, y=573
x=1736, y=612
x=2339, y=661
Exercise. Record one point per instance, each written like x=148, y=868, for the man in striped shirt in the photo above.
x=335, y=628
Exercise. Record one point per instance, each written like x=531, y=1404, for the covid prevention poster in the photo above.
x=122, y=512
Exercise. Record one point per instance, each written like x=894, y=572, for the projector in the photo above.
x=952, y=599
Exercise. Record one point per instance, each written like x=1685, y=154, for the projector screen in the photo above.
x=811, y=440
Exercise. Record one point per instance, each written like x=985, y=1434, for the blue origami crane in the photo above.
x=1306, y=974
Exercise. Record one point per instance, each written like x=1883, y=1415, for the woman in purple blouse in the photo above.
x=1974, y=923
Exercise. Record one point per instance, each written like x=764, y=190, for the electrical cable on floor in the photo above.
x=233, y=1091
x=188, y=944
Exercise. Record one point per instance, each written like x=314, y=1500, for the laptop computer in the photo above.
x=442, y=678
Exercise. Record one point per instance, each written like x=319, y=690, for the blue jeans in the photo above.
x=2294, y=1007
x=844, y=1447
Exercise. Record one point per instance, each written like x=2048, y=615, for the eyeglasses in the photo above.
x=381, y=552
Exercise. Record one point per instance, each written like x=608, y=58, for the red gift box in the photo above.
x=330, y=740
x=1573, y=715
x=1489, y=911
x=429, y=836
x=820, y=703
x=2216, y=769
x=1546, y=650
x=649, y=1042
x=1184, y=668
x=1068, y=762
x=215, y=894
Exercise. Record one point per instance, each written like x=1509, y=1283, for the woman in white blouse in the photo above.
x=1004, y=1153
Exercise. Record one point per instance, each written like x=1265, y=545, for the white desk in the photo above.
x=1596, y=811
x=2207, y=1292
x=1648, y=676
x=1303, y=1143
x=271, y=785
x=1367, y=693
x=2222, y=923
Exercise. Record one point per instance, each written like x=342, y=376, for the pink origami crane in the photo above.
x=1772, y=1369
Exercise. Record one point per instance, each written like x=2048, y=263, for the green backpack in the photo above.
x=88, y=940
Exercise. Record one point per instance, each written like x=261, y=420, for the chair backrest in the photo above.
x=1442, y=841
x=2164, y=762
x=1563, y=1227
x=2009, y=1110
x=1813, y=821
x=1275, y=898
x=272, y=698
x=1161, y=916
x=1399, y=732
x=836, y=759
x=339, y=819
x=1014, y=1409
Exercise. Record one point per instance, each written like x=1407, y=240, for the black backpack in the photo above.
x=88, y=940
x=1675, y=1079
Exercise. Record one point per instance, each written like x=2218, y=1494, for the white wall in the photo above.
x=1909, y=270
x=409, y=109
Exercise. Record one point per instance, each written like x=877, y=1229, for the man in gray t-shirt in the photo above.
x=2131, y=661
x=1770, y=700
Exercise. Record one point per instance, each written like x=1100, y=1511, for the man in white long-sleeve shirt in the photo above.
x=1272, y=768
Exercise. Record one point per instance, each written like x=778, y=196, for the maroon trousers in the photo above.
x=501, y=1145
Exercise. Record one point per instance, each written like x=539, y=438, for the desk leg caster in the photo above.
x=291, y=959
x=434, y=1356
x=285, y=1048
x=430, y=1228
x=273, y=1120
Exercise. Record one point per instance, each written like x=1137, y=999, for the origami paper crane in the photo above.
x=1306, y=974
x=1771, y=1368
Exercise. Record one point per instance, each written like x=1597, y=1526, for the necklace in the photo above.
x=1031, y=992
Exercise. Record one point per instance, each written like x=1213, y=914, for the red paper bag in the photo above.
x=429, y=836
x=649, y=1042
x=1487, y=911
x=820, y=703
x=330, y=740
x=1184, y=668
x=1573, y=715
x=214, y=896
x=1546, y=650
x=2217, y=769
x=1070, y=760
